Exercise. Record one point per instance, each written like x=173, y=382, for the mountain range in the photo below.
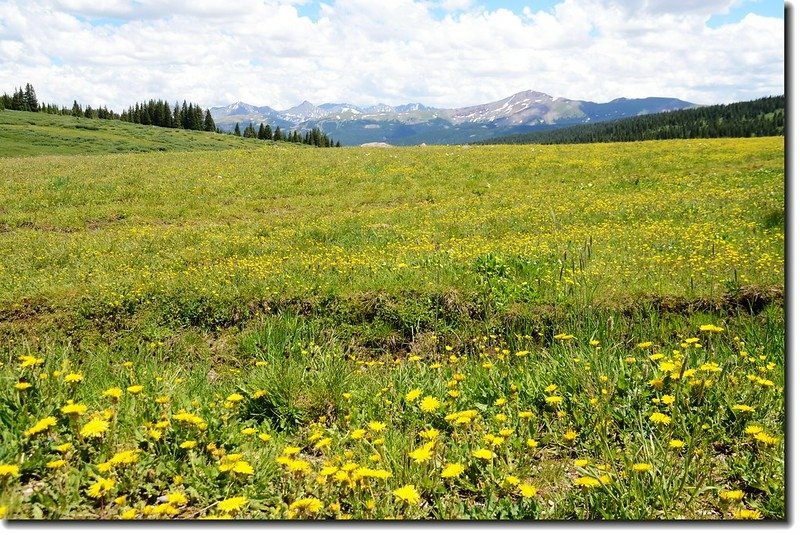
x=412, y=124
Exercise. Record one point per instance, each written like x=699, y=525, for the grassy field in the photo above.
x=35, y=134
x=559, y=332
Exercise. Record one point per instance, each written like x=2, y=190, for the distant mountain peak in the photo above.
x=416, y=123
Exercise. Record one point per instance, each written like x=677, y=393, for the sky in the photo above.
x=445, y=53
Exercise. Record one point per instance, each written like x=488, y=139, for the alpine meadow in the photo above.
x=301, y=263
x=274, y=331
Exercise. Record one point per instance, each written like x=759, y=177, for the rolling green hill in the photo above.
x=36, y=134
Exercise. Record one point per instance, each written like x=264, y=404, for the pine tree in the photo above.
x=31, y=103
x=208, y=122
x=236, y=131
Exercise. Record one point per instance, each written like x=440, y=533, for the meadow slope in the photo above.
x=548, y=332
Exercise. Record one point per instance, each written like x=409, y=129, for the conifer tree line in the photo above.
x=314, y=137
x=188, y=116
x=760, y=117
x=159, y=113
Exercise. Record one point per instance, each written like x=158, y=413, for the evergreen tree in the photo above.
x=236, y=131
x=18, y=100
x=250, y=131
x=76, y=109
x=31, y=103
x=208, y=122
x=278, y=135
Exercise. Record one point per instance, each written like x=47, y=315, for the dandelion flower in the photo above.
x=307, y=505
x=414, y=394
x=73, y=378
x=177, y=498
x=407, y=494
x=100, y=487
x=711, y=328
x=660, y=418
x=527, y=491
x=29, y=361
x=422, y=454
x=73, y=408
x=676, y=444
x=124, y=457
x=570, y=435
x=135, y=389
x=113, y=392
x=743, y=408
x=746, y=514
x=731, y=495
x=429, y=434
x=587, y=482
x=11, y=470
x=23, y=385
x=452, y=470
x=235, y=398
x=188, y=444
x=232, y=504
x=41, y=425
x=58, y=463
x=483, y=453
x=63, y=448
x=766, y=439
x=581, y=463
x=642, y=467
x=94, y=428
x=429, y=404
x=377, y=426
x=553, y=400
x=644, y=345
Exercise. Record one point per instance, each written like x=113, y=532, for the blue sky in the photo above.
x=766, y=8
x=447, y=53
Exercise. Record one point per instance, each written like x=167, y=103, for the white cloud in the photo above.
x=362, y=51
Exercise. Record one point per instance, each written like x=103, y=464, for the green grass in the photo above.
x=36, y=134
x=292, y=297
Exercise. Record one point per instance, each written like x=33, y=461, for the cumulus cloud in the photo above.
x=114, y=52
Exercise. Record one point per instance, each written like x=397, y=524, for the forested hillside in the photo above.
x=761, y=117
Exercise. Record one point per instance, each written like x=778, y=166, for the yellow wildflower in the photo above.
x=660, y=418
x=587, y=482
x=483, y=453
x=73, y=408
x=676, y=444
x=746, y=514
x=414, y=394
x=41, y=425
x=452, y=470
x=100, y=487
x=94, y=428
x=11, y=470
x=377, y=426
x=113, y=392
x=731, y=495
x=232, y=504
x=407, y=494
x=429, y=404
